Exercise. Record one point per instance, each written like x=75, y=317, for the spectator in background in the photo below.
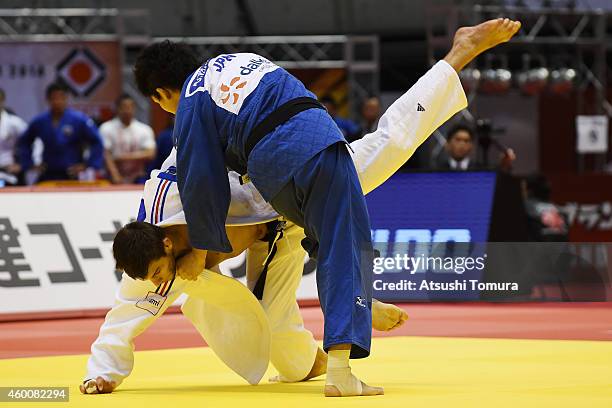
x=350, y=129
x=164, y=147
x=458, y=151
x=546, y=222
x=11, y=127
x=370, y=113
x=129, y=144
x=72, y=146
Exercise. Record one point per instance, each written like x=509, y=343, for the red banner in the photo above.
x=586, y=200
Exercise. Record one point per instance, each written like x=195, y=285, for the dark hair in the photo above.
x=2, y=94
x=460, y=127
x=123, y=97
x=136, y=245
x=55, y=87
x=164, y=64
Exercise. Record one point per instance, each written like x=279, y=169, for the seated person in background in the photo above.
x=349, y=129
x=164, y=147
x=129, y=144
x=11, y=127
x=545, y=220
x=458, y=151
x=72, y=148
x=370, y=113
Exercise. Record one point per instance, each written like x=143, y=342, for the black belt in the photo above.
x=279, y=116
x=275, y=232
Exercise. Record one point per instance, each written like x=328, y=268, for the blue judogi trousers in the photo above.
x=325, y=198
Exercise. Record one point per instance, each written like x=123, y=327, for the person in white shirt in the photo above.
x=129, y=144
x=11, y=127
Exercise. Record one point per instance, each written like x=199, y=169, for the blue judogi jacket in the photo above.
x=63, y=145
x=220, y=104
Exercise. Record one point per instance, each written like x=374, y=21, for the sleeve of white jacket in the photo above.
x=112, y=354
x=405, y=125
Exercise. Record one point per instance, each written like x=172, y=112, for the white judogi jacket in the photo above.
x=11, y=127
x=230, y=324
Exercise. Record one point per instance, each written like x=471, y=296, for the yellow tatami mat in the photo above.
x=415, y=371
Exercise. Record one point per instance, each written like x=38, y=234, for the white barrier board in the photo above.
x=55, y=250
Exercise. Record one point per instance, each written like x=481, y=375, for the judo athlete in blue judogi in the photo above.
x=242, y=112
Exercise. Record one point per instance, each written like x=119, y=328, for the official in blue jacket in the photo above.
x=70, y=139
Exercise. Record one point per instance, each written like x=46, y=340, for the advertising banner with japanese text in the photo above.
x=586, y=202
x=56, y=250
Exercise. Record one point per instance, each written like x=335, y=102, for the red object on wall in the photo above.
x=586, y=200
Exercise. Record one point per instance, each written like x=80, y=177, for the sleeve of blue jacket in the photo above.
x=202, y=177
x=24, y=147
x=96, y=148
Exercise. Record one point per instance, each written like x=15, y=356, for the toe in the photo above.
x=368, y=390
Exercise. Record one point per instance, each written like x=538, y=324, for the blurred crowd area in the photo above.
x=527, y=98
x=63, y=145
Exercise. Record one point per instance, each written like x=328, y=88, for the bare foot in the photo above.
x=386, y=317
x=364, y=390
x=97, y=386
x=469, y=42
x=340, y=381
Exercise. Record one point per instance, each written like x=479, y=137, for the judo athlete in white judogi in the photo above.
x=376, y=157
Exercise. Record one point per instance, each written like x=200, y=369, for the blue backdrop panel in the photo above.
x=431, y=215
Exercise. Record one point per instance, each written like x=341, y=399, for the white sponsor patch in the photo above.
x=152, y=303
x=233, y=77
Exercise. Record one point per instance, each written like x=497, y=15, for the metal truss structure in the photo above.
x=131, y=26
x=359, y=55
x=579, y=37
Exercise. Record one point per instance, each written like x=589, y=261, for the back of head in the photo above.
x=166, y=65
x=136, y=245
